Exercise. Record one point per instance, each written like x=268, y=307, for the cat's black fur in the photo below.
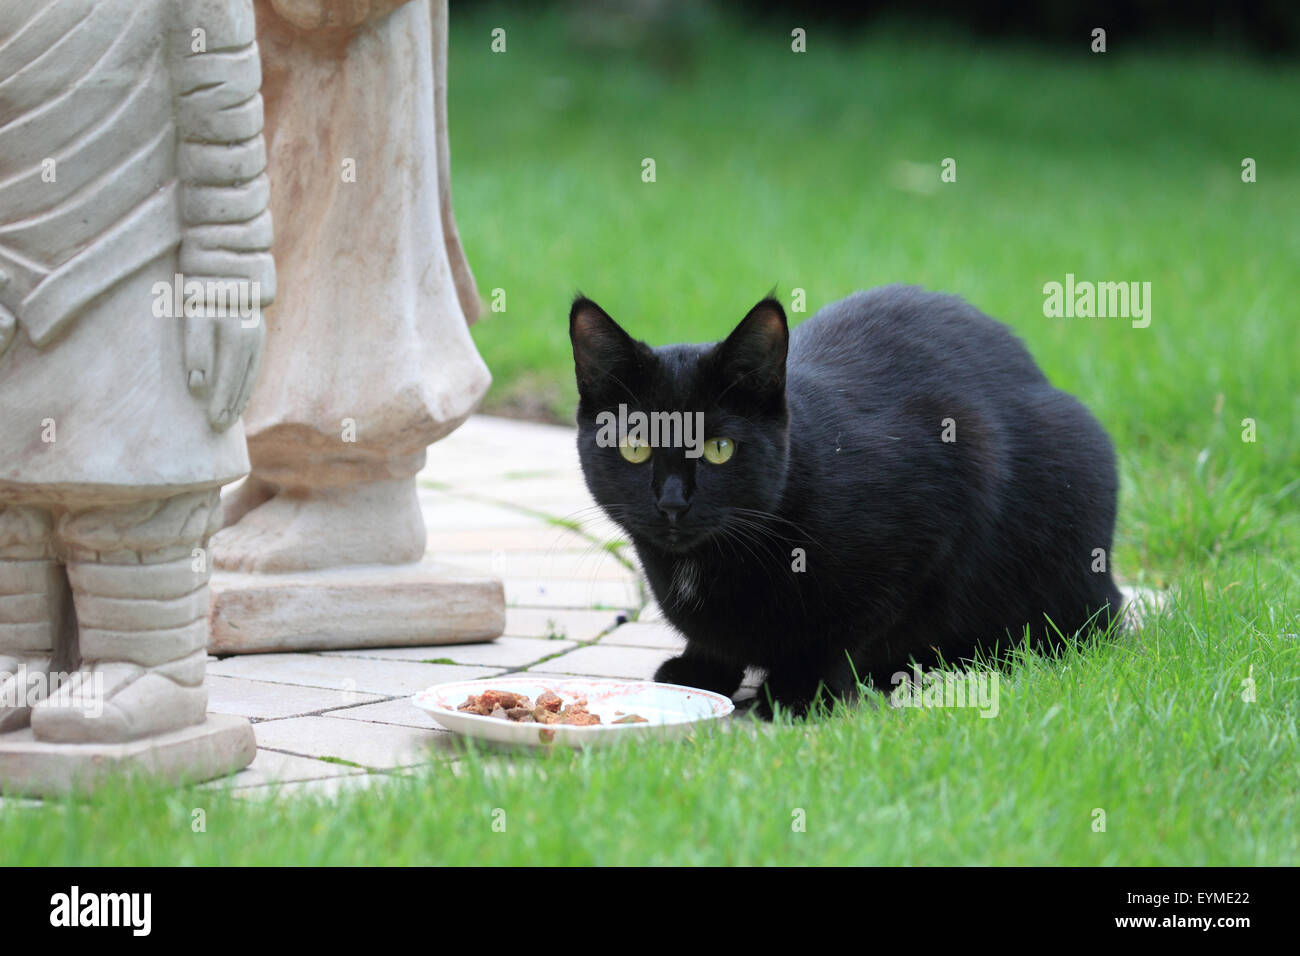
x=915, y=547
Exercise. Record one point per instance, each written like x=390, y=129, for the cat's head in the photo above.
x=683, y=442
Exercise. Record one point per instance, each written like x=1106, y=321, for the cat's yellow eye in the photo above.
x=634, y=451
x=718, y=451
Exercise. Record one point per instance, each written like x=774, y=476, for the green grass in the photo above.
x=1153, y=731
x=821, y=172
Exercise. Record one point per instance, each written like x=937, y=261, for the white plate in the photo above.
x=669, y=709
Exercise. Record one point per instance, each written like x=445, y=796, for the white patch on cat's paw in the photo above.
x=1141, y=604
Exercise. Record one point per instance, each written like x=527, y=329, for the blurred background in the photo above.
x=821, y=170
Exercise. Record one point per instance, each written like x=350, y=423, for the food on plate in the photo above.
x=548, y=709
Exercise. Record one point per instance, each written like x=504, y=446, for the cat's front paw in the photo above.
x=691, y=670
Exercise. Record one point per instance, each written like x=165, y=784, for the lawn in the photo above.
x=821, y=172
x=1152, y=732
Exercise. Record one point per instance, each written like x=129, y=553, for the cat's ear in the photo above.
x=752, y=358
x=603, y=354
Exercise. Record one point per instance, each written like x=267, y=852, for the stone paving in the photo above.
x=500, y=496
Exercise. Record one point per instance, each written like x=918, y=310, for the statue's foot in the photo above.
x=243, y=498
x=16, y=688
x=115, y=701
x=305, y=530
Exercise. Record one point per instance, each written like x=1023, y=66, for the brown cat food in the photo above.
x=549, y=709
x=488, y=701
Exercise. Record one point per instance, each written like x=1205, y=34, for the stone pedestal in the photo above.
x=337, y=608
x=32, y=768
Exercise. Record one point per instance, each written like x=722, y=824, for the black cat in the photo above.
x=894, y=481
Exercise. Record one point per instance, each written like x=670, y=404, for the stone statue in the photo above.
x=369, y=357
x=134, y=262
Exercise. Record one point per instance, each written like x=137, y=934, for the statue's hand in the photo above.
x=221, y=362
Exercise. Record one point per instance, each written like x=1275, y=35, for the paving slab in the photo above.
x=263, y=700
x=556, y=492
x=599, y=660
x=582, y=564
x=544, y=538
x=571, y=623
x=448, y=512
x=646, y=634
x=377, y=746
x=541, y=592
x=388, y=678
x=507, y=652
x=400, y=712
x=272, y=766
x=488, y=446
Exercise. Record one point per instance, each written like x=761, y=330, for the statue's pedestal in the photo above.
x=340, y=608
x=31, y=768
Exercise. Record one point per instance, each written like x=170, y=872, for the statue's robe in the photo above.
x=368, y=357
x=124, y=160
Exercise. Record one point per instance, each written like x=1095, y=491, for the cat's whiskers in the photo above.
x=759, y=532
x=778, y=560
x=749, y=527
x=733, y=535
x=745, y=537
x=599, y=549
x=769, y=516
